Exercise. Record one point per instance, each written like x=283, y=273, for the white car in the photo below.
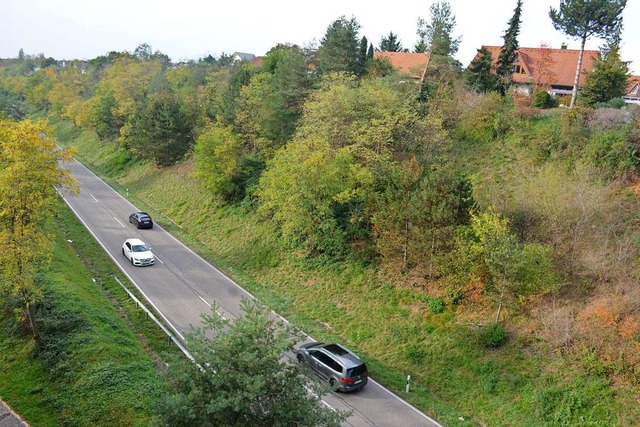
x=137, y=252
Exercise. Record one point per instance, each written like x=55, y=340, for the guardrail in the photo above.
x=149, y=314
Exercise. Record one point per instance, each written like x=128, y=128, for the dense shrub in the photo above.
x=607, y=118
x=612, y=154
x=436, y=305
x=542, y=99
x=493, y=336
x=613, y=103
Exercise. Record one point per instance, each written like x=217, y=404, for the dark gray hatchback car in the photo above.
x=332, y=362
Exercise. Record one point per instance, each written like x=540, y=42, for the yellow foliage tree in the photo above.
x=29, y=174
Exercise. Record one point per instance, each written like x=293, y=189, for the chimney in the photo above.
x=563, y=46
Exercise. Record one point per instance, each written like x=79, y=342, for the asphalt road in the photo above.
x=182, y=285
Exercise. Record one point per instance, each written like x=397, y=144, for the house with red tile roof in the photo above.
x=413, y=65
x=632, y=95
x=553, y=69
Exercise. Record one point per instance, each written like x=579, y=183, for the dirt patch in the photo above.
x=635, y=187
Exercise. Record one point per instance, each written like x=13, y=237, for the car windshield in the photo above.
x=139, y=248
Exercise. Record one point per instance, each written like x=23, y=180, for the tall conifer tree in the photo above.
x=509, y=50
x=582, y=19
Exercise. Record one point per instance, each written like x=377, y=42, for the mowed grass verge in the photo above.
x=96, y=361
x=454, y=378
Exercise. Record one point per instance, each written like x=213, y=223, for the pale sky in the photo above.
x=192, y=29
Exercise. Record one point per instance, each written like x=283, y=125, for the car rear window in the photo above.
x=357, y=371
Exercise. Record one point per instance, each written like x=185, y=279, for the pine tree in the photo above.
x=362, y=56
x=479, y=72
x=339, y=48
x=509, y=50
x=608, y=80
x=390, y=43
x=582, y=19
x=436, y=35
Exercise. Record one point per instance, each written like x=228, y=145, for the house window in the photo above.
x=634, y=91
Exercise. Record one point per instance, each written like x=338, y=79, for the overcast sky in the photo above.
x=192, y=29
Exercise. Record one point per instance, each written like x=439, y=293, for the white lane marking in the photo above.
x=118, y=221
x=204, y=301
x=94, y=198
x=231, y=281
x=156, y=257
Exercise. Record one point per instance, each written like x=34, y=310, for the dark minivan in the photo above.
x=334, y=363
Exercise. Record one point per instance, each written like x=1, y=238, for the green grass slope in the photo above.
x=92, y=364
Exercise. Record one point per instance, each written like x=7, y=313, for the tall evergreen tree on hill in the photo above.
x=608, y=80
x=390, y=43
x=435, y=36
x=339, y=49
x=509, y=51
x=582, y=19
x=479, y=72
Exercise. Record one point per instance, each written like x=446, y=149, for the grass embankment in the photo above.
x=454, y=378
x=94, y=362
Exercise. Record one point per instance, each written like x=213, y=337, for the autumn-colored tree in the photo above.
x=545, y=77
x=510, y=269
x=29, y=172
x=66, y=95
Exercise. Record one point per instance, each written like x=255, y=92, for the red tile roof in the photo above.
x=633, y=90
x=412, y=64
x=556, y=66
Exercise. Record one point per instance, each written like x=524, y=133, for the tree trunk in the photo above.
x=405, y=249
x=499, y=308
x=574, y=94
x=32, y=320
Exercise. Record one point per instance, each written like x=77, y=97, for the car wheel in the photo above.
x=138, y=225
x=123, y=251
x=300, y=359
x=132, y=261
x=333, y=384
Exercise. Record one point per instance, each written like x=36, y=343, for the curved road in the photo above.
x=182, y=285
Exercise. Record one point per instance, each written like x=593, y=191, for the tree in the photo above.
x=511, y=270
x=509, y=51
x=417, y=214
x=218, y=159
x=479, y=75
x=390, y=43
x=29, y=172
x=240, y=378
x=159, y=131
x=363, y=56
x=608, y=80
x=339, y=48
x=582, y=19
x=436, y=35
x=308, y=188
